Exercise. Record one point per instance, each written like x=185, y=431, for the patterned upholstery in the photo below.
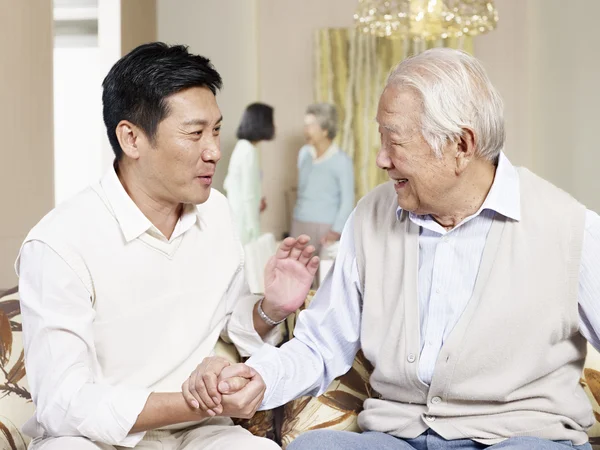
x=336, y=409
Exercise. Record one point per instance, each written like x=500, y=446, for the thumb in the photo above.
x=237, y=370
x=233, y=385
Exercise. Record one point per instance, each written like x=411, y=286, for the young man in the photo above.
x=127, y=287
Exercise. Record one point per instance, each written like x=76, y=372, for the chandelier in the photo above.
x=425, y=19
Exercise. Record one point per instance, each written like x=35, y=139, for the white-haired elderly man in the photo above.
x=471, y=285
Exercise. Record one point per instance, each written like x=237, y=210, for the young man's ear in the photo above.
x=128, y=136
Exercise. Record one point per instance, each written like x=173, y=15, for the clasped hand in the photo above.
x=221, y=388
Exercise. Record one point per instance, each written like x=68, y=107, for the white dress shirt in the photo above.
x=327, y=334
x=95, y=350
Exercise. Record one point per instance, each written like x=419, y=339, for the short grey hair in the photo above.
x=455, y=92
x=326, y=115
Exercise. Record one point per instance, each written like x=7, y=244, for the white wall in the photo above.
x=81, y=61
x=78, y=127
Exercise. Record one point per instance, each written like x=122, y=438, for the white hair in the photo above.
x=456, y=93
x=326, y=115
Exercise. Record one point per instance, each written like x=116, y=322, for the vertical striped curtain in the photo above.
x=351, y=70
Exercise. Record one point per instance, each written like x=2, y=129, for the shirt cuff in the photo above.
x=115, y=416
x=241, y=332
x=266, y=363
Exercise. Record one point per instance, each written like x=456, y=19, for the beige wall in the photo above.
x=26, y=152
x=224, y=31
x=122, y=26
x=138, y=23
x=540, y=58
x=286, y=42
x=543, y=59
x=263, y=50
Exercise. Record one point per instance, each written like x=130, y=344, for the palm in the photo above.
x=289, y=274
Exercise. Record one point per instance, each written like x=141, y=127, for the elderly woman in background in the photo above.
x=243, y=181
x=325, y=180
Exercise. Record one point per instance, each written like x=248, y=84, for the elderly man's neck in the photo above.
x=468, y=196
x=162, y=213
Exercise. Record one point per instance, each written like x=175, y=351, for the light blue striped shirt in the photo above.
x=327, y=335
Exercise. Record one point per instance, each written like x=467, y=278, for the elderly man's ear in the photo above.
x=465, y=150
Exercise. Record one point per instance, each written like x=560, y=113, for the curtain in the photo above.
x=351, y=68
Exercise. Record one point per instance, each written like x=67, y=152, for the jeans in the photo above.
x=371, y=440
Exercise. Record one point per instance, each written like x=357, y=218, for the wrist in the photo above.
x=269, y=313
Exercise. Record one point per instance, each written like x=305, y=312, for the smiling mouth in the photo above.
x=401, y=180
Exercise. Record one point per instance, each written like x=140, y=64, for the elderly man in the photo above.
x=126, y=288
x=471, y=285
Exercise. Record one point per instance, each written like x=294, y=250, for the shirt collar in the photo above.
x=332, y=150
x=504, y=196
x=131, y=219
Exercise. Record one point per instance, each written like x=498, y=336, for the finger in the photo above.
x=212, y=391
x=247, y=395
x=306, y=254
x=218, y=410
x=236, y=370
x=202, y=390
x=284, y=249
x=194, y=392
x=213, y=370
x=233, y=385
x=298, y=249
x=189, y=398
x=201, y=405
x=313, y=265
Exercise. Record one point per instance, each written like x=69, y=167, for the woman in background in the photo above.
x=243, y=181
x=325, y=180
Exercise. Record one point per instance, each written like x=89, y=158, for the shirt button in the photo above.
x=411, y=358
x=436, y=400
x=430, y=418
x=437, y=291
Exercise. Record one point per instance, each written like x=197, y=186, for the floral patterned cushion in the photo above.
x=336, y=409
x=590, y=381
x=262, y=423
x=15, y=400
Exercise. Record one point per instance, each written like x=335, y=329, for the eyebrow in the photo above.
x=392, y=129
x=199, y=122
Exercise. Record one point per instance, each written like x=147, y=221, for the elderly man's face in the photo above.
x=421, y=178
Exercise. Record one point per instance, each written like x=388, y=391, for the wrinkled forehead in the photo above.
x=399, y=110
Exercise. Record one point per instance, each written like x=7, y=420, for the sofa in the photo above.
x=336, y=409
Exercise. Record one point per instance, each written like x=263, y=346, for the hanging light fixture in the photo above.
x=425, y=19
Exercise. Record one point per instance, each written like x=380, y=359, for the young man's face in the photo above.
x=180, y=164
